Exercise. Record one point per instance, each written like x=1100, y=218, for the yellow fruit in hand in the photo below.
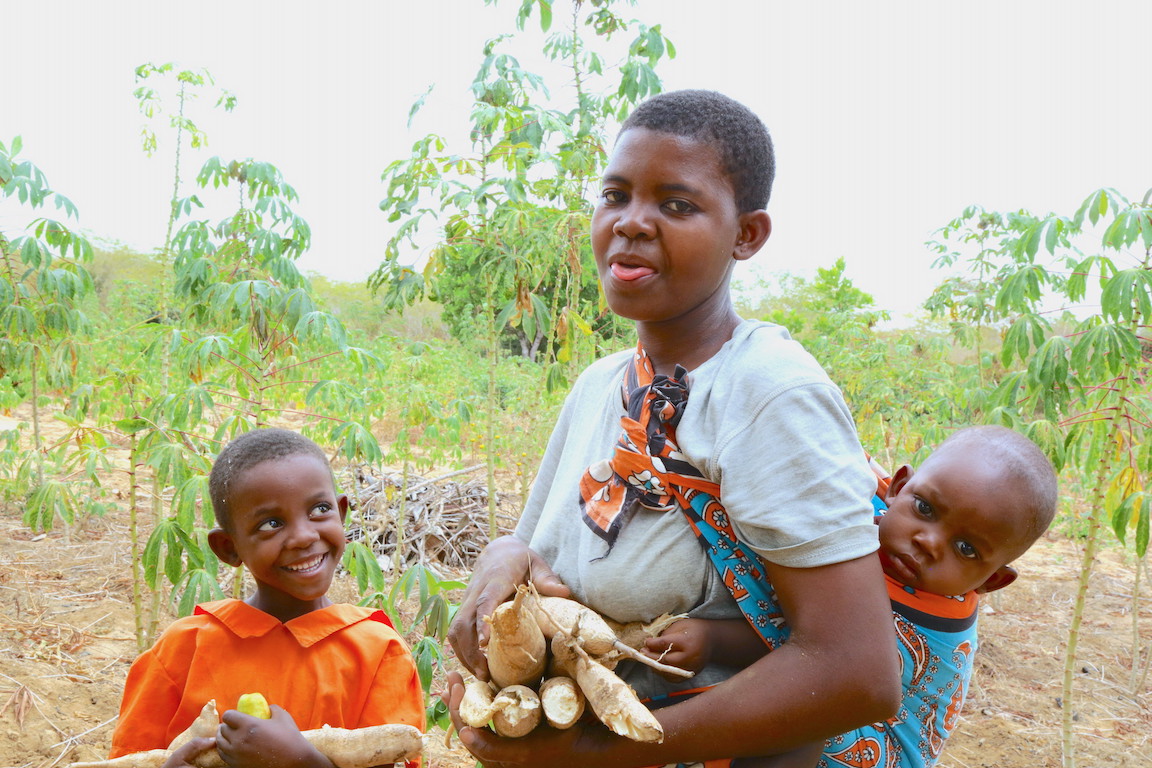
x=254, y=704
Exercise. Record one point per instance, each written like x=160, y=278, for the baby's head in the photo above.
x=737, y=135
x=279, y=515
x=977, y=503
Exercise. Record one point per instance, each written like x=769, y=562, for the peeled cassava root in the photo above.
x=346, y=748
x=584, y=651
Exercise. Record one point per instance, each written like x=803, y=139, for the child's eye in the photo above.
x=966, y=550
x=270, y=525
x=321, y=509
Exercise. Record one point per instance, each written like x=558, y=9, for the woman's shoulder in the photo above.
x=763, y=356
x=601, y=373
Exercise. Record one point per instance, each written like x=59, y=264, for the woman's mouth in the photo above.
x=630, y=272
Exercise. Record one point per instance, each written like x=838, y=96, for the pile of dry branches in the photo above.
x=440, y=520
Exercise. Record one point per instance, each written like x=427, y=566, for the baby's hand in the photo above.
x=685, y=644
x=182, y=757
x=245, y=741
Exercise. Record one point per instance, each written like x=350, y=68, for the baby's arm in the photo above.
x=693, y=643
x=250, y=742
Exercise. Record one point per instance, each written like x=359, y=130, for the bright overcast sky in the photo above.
x=889, y=117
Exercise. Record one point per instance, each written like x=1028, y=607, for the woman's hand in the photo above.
x=245, y=741
x=582, y=745
x=505, y=564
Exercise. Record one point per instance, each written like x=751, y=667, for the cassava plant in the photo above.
x=511, y=210
x=1084, y=394
x=43, y=280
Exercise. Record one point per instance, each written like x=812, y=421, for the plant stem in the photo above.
x=490, y=427
x=37, y=442
x=1091, y=545
x=134, y=544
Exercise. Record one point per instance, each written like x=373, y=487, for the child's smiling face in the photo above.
x=287, y=528
x=952, y=525
x=666, y=231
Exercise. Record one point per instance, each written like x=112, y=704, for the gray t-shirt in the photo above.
x=764, y=422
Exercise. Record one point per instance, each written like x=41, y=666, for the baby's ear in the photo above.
x=224, y=547
x=1002, y=577
x=899, y=480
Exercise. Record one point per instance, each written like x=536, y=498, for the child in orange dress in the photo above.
x=279, y=515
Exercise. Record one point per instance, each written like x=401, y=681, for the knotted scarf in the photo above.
x=647, y=470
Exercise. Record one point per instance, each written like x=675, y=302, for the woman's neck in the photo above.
x=688, y=345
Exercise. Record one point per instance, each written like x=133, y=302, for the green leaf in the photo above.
x=131, y=426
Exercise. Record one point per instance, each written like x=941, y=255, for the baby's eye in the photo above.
x=966, y=550
x=923, y=508
x=270, y=525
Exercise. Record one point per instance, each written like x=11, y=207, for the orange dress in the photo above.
x=343, y=665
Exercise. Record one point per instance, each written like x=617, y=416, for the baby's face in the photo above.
x=950, y=525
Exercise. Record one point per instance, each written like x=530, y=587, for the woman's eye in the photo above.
x=679, y=206
x=612, y=196
x=966, y=550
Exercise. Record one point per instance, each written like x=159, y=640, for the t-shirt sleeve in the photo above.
x=811, y=502
x=151, y=698
x=396, y=695
x=546, y=474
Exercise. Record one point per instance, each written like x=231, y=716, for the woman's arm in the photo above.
x=839, y=670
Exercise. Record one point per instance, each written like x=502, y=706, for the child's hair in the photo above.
x=739, y=136
x=245, y=452
x=1021, y=458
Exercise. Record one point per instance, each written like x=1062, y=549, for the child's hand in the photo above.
x=249, y=742
x=685, y=644
x=182, y=757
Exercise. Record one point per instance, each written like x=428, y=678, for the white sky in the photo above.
x=889, y=117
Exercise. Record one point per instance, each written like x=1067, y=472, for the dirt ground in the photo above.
x=66, y=641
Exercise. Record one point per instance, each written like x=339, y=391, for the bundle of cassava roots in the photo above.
x=547, y=656
x=346, y=748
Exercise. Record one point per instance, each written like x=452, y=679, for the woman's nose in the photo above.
x=633, y=224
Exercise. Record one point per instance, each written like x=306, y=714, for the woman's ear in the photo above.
x=1000, y=578
x=755, y=226
x=899, y=480
x=224, y=548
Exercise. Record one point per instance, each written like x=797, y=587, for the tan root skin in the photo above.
x=562, y=702
x=346, y=748
x=634, y=633
x=476, y=707
x=517, y=650
x=613, y=700
x=592, y=631
x=516, y=711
